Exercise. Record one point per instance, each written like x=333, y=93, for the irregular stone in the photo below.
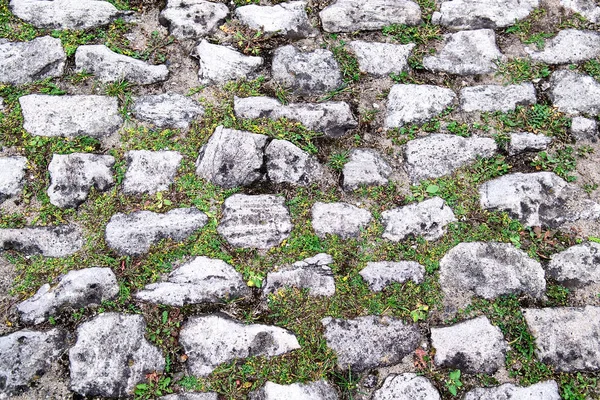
x=49, y=241
x=538, y=199
x=428, y=219
x=569, y=46
x=167, y=110
x=306, y=74
x=286, y=163
x=342, y=219
x=588, y=8
x=365, y=167
x=521, y=142
x=466, y=53
x=232, y=158
x=150, y=171
x=70, y=116
x=473, y=346
x=76, y=289
x=287, y=19
x=259, y=221
x=464, y=14
x=370, y=342
x=488, y=98
x=319, y=390
x=378, y=275
x=313, y=273
x=201, y=280
x=191, y=396
x=368, y=15
x=409, y=104
x=440, y=154
x=65, y=14
x=26, y=355
x=332, y=118
x=575, y=93
x=111, y=356
x=73, y=175
x=584, y=129
x=381, y=59
x=213, y=339
x=12, y=175
x=220, y=64
x=25, y=62
x=577, y=266
x=408, y=386
x=133, y=234
x=566, y=337
x=192, y=19
x=547, y=390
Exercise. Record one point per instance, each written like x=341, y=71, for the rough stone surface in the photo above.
x=312, y=273
x=584, y=129
x=547, y=390
x=258, y=221
x=570, y=46
x=575, y=93
x=588, y=8
x=465, y=14
x=381, y=59
x=192, y=19
x=55, y=241
x=69, y=116
x=488, y=98
x=111, y=356
x=319, y=390
x=65, y=14
x=521, y=142
x=150, y=171
x=577, y=266
x=220, y=64
x=167, y=110
x=134, y=233
x=287, y=163
x=342, y=219
x=191, y=396
x=25, y=62
x=213, y=339
x=365, y=167
x=380, y=274
x=408, y=104
x=288, y=19
x=370, y=342
x=12, y=174
x=408, y=386
x=368, y=15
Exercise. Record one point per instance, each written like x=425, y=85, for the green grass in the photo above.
x=520, y=70
x=347, y=61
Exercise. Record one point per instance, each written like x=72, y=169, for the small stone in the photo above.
x=55, y=241
x=588, y=8
x=313, y=273
x=570, y=46
x=287, y=19
x=192, y=19
x=378, y=275
x=76, y=289
x=365, y=167
x=410, y=104
x=473, y=346
x=150, y=171
x=578, y=266
x=133, y=234
x=213, y=339
x=342, y=219
x=191, y=396
x=408, y=386
x=381, y=59
x=520, y=142
x=12, y=175
x=488, y=98
x=286, y=163
x=575, y=93
x=320, y=390
x=220, y=64
x=167, y=110
x=547, y=390
x=370, y=342
x=25, y=62
x=465, y=14
x=111, y=356
x=65, y=14
x=584, y=129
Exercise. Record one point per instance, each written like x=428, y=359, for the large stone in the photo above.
x=465, y=14
x=409, y=104
x=220, y=64
x=310, y=73
x=381, y=59
x=150, y=171
x=134, y=233
x=575, y=93
x=312, y=273
x=408, y=386
x=577, y=266
x=341, y=219
x=319, y=390
x=167, y=110
x=438, y=155
x=380, y=274
x=570, y=46
x=521, y=142
x=65, y=14
x=259, y=221
x=588, y=8
x=370, y=342
x=214, y=339
x=76, y=289
x=365, y=167
x=547, y=390
x=488, y=98
x=566, y=338
x=288, y=19
x=111, y=356
x=25, y=62
x=584, y=129
x=466, y=53
x=70, y=116
x=286, y=163
x=192, y=19
x=368, y=15
x=201, y=280
x=51, y=241
x=12, y=175
x=73, y=175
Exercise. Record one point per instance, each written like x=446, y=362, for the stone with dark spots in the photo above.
x=584, y=129
x=569, y=46
x=12, y=176
x=192, y=19
x=407, y=386
x=312, y=273
x=487, y=98
x=466, y=14
x=521, y=142
x=577, y=266
x=167, y=110
x=368, y=15
x=319, y=390
x=51, y=241
x=341, y=219
x=150, y=171
x=66, y=14
x=574, y=93
x=380, y=274
x=365, y=167
x=287, y=163
x=26, y=62
x=547, y=390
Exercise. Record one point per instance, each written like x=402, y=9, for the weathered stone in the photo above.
x=192, y=19
x=213, y=339
x=220, y=64
x=25, y=62
x=584, y=129
x=577, y=266
x=341, y=219
x=380, y=274
x=167, y=110
x=566, y=337
x=134, y=233
x=12, y=174
x=150, y=171
x=570, y=46
x=409, y=104
x=370, y=342
x=65, y=14
x=466, y=53
x=70, y=116
x=310, y=73
x=76, y=289
x=111, y=356
x=588, y=8
x=487, y=98
x=259, y=221
x=73, y=175
x=312, y=273
x=320, y=390
x=547, y=390
x=287, y=19
x=191, y=396
x=521, y=142
x=408, y=386
x=575, y=93
x=381, y=59
x=286, y=163
x=465, y=14
x=365, y=167
x=51, y=241
x=201, y=280
x=368, y=15
x=427, y=219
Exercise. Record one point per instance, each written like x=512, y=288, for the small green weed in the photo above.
x=520, y=70
x=453, y=383
x=562, y=163
x=346, y=60
x=338, y=160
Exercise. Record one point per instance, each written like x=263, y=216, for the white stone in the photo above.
x=488, y=98
x=368, y=15
x=167, y=110
x=150, y=171
x=192, y=19
x=466, y=14
x=547, y=390
x=521, y=142
x=365, y=167
x=341, y=219
x=319, y=390
x=575, y=93
x=588, y=8
x=380, y=274
x=51, y=241
x=25, y=62
x=570, y=46
x=287, y=19
x=65, y=14
x=12, y=174
x=312, y=273
x=286, y=163
x=381, y=59
x=409, y=104
x=407, y=386
x=576, y=266
x=584, y=129
x=220, y=64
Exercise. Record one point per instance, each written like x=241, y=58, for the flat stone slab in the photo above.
x=150, y=171
x=575, y=93
x=577, y=266
x=287, y=163
x=566, y=338
x=192, y=19
x=133, y=234
x=410, y=104
x=489, y=98
x=220, y=64
x=255, y=221
x=288, y=19
x=370, y=342
x=341, y=219
x=408, y=386
x=588, y=8
x=569, y=46
x=547, y=390
x=167, y=110
x=428, y=219
x=51, y=241
x=368, y=15
x=465, y=14
x=584, y=129
x=520, y=142
x=381, y=59
x=365, y=167
x=111, y=356
x=319, y=390
x=25, y=62
x=70, y=116
x=201, y=280
x=65, y=14
x=380, y=274
x=214, y=339
x=12, y=176
x=312, y=273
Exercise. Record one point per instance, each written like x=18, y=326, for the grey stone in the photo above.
x=49, y=241
x=473, y=346
x=192, y=19
x=409, y=104
x=574, y=93
x=332, y=118
x=150, y=171
x=310, y=73
x=466, y=53
x=365, y=167
x=566, y=337
x=65, y=14
x=220, y=64
x=111, y=356
x=465, y=14
x=584, y=129
x=73, y=175
x=380, y=274
x=487, y=98
x=25, y=62
x=319, y=390
x=287, y=19
x=12, y=175
x=167, y=110
x=134, y=233
x=341, y=219
x=381, y=59
x=312, y=273
x=258, y=221
x=569, y=46
x=76, y=289
x=521, y=142
x=368, y=15
x=232, y=158
x=191, y=396
x=437, y=155
x=547, y=390
x=201, y=280
x=588, y=8
x=286, y=163
x=370, y=342
x=576, y=266
x=213, y=339
x=428, y=219
x=408, y=386
x=70, y=116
